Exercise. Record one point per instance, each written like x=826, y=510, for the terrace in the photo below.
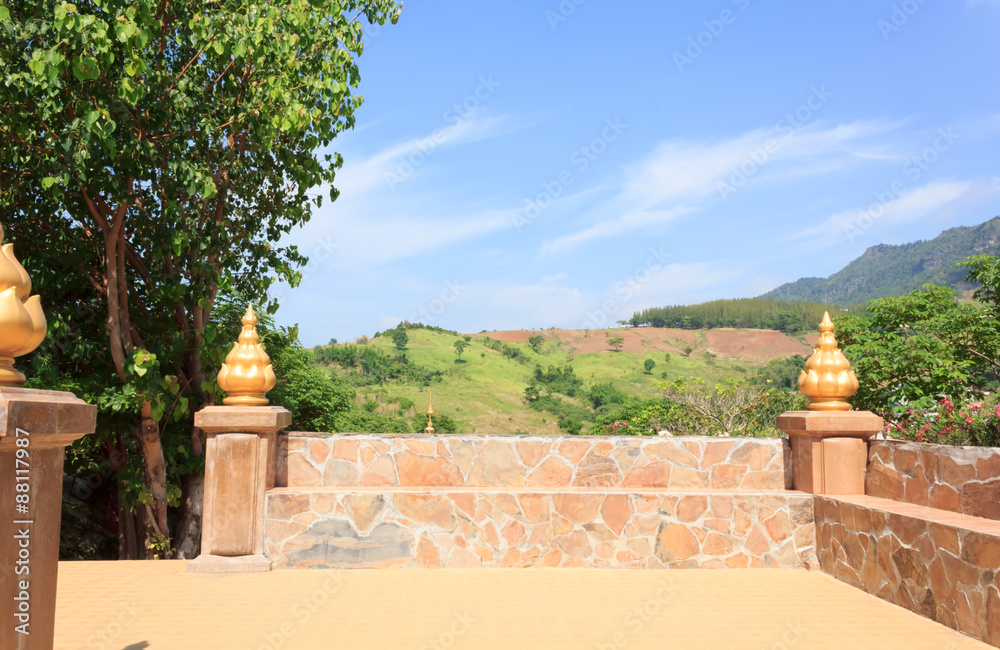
x=828, y=538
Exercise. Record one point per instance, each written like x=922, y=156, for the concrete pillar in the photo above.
x=829, y=449
x=240, y=467
x=35, y=427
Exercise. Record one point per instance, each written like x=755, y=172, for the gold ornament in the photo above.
x=22, y=323
x=247, y=373
x=430, y=412
x=828, y=379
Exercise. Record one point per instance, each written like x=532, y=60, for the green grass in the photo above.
x=485, y=393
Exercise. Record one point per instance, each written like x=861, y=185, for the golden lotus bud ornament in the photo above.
x=430, y=413
x=247, y=373
x=22, y=323
x=828, y=379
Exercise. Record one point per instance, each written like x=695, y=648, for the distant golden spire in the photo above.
x=430, y=412
x=828, y=379
x=22, y=322
x=247, y=373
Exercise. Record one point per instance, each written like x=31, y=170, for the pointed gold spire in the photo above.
x=247, y=373
x=430, y=412
x=828, y=379
x=22, y=323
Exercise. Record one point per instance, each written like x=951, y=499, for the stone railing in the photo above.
x=455, y=460
x=417, y=500
x=960, y=479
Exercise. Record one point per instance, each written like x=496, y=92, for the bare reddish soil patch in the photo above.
x=753, y=343
x=725, y=342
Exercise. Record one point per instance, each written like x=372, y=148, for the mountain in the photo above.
x=886, y=270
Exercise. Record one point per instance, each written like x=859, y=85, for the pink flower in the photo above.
x=976, y=406
x=968, y=420
x=910, y=412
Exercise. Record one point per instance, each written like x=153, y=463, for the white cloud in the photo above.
x=905, y=207
x=680, y=177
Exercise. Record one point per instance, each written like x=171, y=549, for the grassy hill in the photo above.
x=484, y=393
x=885, y=270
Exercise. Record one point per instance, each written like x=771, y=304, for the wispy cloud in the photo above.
x=681, y=177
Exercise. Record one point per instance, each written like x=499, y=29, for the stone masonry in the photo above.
x=960, y=479
x=406, y=460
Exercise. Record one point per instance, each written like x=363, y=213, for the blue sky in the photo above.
x=522, y=165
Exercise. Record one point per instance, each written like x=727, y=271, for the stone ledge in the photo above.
x=937, y=563
x=934, y=515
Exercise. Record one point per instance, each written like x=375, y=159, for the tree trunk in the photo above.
x=188, y=535
x=156, y=470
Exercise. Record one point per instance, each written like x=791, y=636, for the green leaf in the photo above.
x=85, y=68
x=48, y=182
x=4, y=14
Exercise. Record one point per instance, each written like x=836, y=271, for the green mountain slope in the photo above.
x=886, y=270
x=485, y=392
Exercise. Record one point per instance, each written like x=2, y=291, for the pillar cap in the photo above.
x=242, y=419
x=52, y=418
x=830, y=424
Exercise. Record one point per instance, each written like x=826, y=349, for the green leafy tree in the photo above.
x=460, y=346
x=648, y=365
x=152, y=154
x=616, y=341
x=911, y=351
x=399, y=338
x=535, y=341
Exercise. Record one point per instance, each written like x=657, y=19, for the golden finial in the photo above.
x=430, y=412
x=247, y=373
x=22, y=323
x=828, y=379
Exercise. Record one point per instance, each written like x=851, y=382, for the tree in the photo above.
x=733, y=407
x=399, y=338
x=616, y=341
x=648, y=364
x=910, y=351
x=460, y=346
x=152, y=155
x=535, y=341
x=666, y=357
x=688, y=350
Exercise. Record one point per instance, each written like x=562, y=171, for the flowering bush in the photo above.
x=949, y=424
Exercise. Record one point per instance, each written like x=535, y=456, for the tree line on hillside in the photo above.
x=787, y=316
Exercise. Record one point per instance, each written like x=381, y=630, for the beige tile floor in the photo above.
x=157, y=605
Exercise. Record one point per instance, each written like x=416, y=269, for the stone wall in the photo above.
x=418, y=460
x=960, y=479
x=941, y=565
x=327, y=528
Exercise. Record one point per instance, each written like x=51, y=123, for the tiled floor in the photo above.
x=157, y=605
